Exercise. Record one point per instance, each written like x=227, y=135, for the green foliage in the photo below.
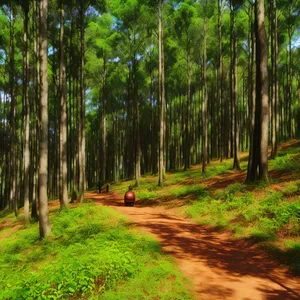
x=286, y=162
x=218, y=169
x=145, y=194
x=185, y=190
x=267, y=216
x=91, y=253
x=289, y=254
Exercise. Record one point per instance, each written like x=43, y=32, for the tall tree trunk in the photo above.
x=276, y=80
x=81, y=134
x=43, y=167
x=36, y=133
x=252, y=92
x=260, y=137
x=236, y=144
x=161, y=165
x=63, y=194
x=188, y=114
x=263, y=90
x=290, y=86
x=220, y=89
x=138, y=152
x=274, y=61
x=205, y=100
x=13, y=196
x=103, y=126
x=27, y=115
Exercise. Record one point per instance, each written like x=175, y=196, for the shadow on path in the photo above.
x=219, y=266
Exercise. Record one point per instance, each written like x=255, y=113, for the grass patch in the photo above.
x=261, y=220
x=218, y=169
x=91, y=254
x=187, y=190
x=255, y=212
x=289, y=254
x=286, y=161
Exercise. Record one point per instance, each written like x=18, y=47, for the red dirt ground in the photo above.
x=218, y=266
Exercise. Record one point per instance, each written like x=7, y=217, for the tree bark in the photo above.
x=161, y=169
x=205, y=100
x=274, y=59
x=81, y=134
x=43, y=165
x=220, y=89
x=236, y=143
x=12, y=197
x=63, y=194
x=260, y=136
x=263, y=90
x=26, y=115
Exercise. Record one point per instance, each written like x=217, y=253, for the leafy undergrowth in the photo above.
x=265, y=214
x=92, y=254
x=264, y=219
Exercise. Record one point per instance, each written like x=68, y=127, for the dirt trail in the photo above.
x=218, y=266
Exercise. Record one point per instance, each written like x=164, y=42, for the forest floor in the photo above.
x=231, y=240
x=219, y=266
x=212, y=226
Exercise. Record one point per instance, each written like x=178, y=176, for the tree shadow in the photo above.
x=234, y=258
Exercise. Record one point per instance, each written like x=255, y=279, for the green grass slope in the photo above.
x=264, y=214
x=92, y=254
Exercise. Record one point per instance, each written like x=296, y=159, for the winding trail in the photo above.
x=218, y=266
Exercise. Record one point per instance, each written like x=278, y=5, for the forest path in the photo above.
x=218, y=266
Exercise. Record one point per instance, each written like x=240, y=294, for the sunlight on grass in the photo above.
x=289, y=162
x=90, y=253
x=255, y=212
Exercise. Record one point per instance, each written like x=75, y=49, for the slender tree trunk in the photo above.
x=274, y=49
x=260, y=137
x=13, y=196
x=220, y=89
x=63, y=194
x=187, y=161
x=205, y=100
x=161, y=168
x=290, y=87
x=138, y=152
x=103, y=133
x=43, y=167
x=252, y=91
x=26, y=117
x=36, y=133
x=236, y=144
x=276, y=80
x=81, y=134
x=263, y=89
